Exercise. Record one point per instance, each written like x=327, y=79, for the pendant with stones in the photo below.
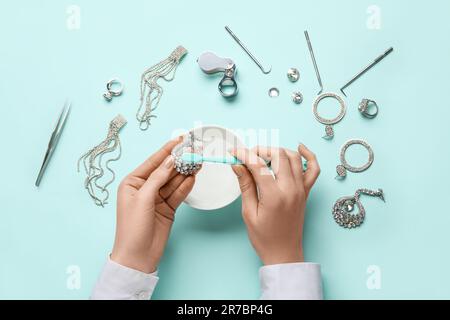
x=341, y=172
x=349, y=205
x=343, y=208
x=329, y=132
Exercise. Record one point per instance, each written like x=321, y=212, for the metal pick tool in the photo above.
x=211, y=63
x=54, y=138
x=370, y=66
x=239, y=42
x=314, y=62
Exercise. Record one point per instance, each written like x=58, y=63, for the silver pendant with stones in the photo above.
x=329, y=132
x=341, y=171
x=344, y=207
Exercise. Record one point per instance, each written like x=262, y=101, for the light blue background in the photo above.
x=45, y=230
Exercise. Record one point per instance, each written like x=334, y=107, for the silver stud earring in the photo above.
x=293, y=74
x=297, y=97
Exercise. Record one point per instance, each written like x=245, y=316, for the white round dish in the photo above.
x=216, y=185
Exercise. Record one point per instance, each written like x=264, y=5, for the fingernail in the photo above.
x=168, y=164
x=237, y=170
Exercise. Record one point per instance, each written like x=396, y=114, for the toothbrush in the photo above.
x=197, y=158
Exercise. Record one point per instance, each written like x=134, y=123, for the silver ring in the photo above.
x=341, y=112
x=364, y=108
x=228, y=87
x=344, y=166
x=110, y=93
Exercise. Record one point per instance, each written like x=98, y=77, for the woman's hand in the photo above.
x=273, y=208
x=146, y=204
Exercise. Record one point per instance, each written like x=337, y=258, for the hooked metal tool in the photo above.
x=370, y=66
x=239, y=42
x=211, y=63
x=54, y=139
x=311, y=51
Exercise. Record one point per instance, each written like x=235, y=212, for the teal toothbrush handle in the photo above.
x=197, y=158
x=226, y=160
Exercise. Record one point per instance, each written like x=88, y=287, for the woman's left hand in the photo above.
x=146, y=202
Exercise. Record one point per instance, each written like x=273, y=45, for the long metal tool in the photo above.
x=239, y=42
x=54, y=138
x=319, y=79
x=370, y=66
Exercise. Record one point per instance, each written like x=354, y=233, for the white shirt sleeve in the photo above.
x=117, y=282
x=291, y=281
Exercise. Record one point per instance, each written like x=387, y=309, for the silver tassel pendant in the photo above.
x=151, y=91
x=95, y=168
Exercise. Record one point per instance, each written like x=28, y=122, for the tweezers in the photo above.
x=54, y=138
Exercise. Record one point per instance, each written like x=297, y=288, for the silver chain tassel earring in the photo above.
x=151, y=91
x=92, y=161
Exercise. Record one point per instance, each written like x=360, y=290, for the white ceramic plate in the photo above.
x=216, y=185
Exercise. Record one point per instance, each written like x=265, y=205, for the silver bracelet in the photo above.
x=190, y=144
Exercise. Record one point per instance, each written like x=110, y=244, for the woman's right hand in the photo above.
x=273, y=205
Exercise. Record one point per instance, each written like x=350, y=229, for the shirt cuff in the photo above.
x=117, y=282
x=291, y=281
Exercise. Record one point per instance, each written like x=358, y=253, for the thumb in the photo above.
x=159, y=177
x=249, y=192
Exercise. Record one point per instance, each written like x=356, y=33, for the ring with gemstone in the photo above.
x=365, y=106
